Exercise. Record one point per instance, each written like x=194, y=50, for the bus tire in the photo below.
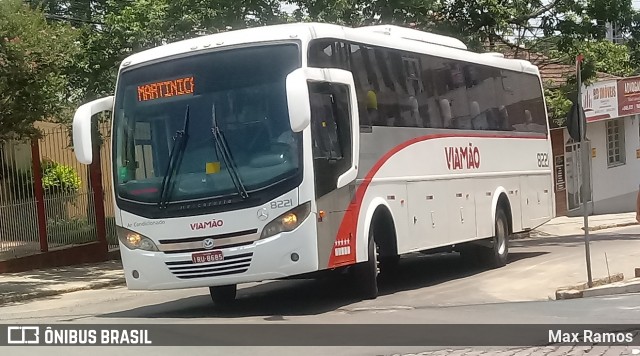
x=366, y=273
x=497, y=255
x=223, y=295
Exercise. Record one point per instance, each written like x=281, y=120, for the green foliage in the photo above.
x=599, y=56
x=110, y=30
x=127, y=27
x=35, y=58
x=59, y=179
x=558, y=105
x=70, y=231
x=56, y=179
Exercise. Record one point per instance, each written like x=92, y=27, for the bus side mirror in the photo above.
x=82, y=127
x=298, y=100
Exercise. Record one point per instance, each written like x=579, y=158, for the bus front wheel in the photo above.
x=223, y=295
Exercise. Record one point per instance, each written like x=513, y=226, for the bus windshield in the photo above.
x=205, y=126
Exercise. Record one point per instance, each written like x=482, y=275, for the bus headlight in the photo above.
x=136, y=241
x=287, y=221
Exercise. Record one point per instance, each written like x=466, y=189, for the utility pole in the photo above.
x=585, y=169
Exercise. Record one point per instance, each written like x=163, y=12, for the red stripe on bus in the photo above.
x=343, y=252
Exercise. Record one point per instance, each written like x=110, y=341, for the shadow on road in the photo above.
x=276, y=300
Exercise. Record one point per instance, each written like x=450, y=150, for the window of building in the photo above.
x=615, y=143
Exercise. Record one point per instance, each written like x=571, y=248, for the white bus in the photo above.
x=279, y=151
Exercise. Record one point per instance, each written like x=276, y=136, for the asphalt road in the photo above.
x=427, y=289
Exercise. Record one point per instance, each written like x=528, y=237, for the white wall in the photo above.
x=614, y=188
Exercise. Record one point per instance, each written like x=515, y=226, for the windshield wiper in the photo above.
x=223, y=148
x=175, y=158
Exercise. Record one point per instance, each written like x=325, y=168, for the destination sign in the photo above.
x=166, y=89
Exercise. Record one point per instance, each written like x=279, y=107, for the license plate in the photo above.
x=209, y=256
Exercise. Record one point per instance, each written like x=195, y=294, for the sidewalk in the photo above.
x=15, y=287
x=567, y=226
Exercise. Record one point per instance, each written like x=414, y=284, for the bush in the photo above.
x=58, y=178
x=112, y=237
x=71, y=231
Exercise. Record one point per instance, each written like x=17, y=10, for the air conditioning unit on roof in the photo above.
x=415, y=35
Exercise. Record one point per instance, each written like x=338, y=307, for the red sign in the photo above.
x=462, y=157
x=629, y=96
x=207, y=224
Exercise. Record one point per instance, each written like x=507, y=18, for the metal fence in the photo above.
x=46, y=195
x=18, y=226
x=105, y=168
x=69, y=215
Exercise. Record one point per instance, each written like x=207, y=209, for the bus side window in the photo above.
x=366, y=92
x=144, y=150
x=330, y=133
x=324, y=129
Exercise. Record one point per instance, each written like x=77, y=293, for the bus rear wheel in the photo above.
x=223, y=295
x=498, y=254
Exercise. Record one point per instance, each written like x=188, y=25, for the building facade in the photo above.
x=612, y=108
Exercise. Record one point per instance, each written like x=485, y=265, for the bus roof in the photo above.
x=381, y=35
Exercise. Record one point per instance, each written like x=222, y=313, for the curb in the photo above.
x=610, y=226
x=49, y=293
x=577, y=291
x=541, y=234
x=631, y=287
x=601, y=287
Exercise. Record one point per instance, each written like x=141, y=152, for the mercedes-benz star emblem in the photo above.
x=208, y=244
x=263, y=214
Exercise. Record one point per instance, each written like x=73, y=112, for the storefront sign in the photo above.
x=600, y=100
x=629, y=96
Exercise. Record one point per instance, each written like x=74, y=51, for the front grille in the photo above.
x=229, y=265
x=202, y=249
x=195, y=244
x=201, y=238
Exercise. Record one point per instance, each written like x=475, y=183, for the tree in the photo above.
x=555, y=29
x=35, y=58
x=599, y=57
x=113, y=29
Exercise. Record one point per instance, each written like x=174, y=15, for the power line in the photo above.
x=70, y=19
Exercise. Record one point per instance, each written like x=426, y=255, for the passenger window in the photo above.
x=329, y=54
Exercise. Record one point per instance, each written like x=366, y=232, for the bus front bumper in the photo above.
x=279, y=256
